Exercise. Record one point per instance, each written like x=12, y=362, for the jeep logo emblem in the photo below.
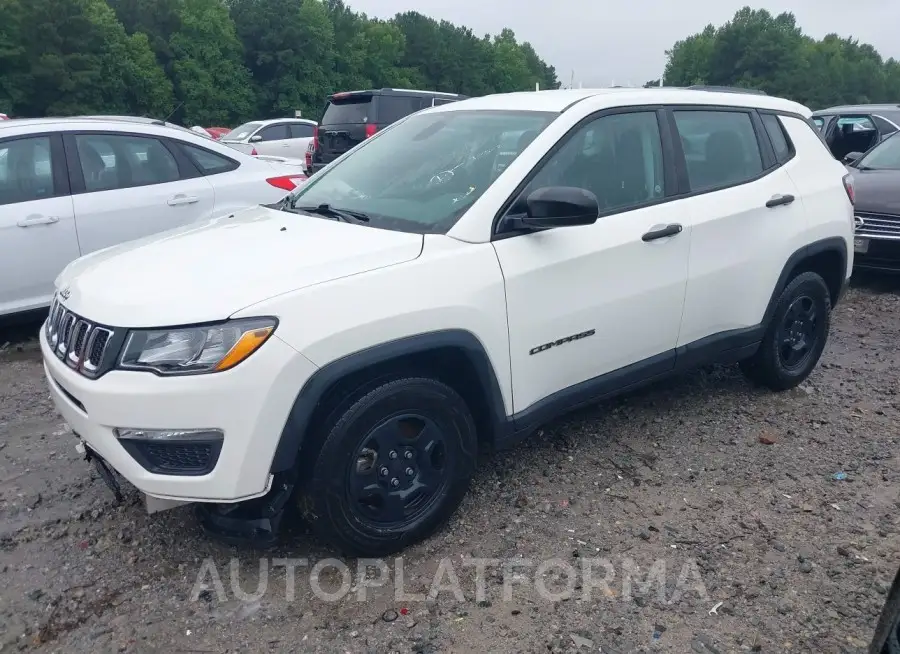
x=65, y=293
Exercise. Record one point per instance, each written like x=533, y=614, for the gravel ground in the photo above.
x=722, y=519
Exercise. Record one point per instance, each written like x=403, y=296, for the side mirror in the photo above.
x=256, y=138
x=558, y=206
x=852, y=157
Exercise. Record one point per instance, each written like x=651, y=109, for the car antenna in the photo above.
x=171, y=113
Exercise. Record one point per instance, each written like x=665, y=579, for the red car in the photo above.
x=217, y=132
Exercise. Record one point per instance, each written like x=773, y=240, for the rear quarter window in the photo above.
x=781, y=143
x=209, y=163
x=392, y=108
x=806, y=138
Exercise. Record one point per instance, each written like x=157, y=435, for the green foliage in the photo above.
x=220, y=62
x=758, y=50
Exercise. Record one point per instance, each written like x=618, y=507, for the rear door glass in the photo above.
x=301, y=130
x=392, y=108
x=352, y=110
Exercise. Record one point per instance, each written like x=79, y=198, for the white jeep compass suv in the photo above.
x=353, y=346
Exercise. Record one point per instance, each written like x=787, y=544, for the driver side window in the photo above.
x=618, y=158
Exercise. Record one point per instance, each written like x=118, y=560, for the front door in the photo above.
x=587, y=301
x=276, y=140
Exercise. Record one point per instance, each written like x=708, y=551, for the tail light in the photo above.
x=848, y=186
x=315, y=138
x=287, y=182
x=370, y=130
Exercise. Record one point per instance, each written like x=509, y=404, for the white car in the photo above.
x=282, y=137
x=72, y=186
x=353, y=347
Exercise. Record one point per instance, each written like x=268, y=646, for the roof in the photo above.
x=856, y=109
x=289, y=119
x=441, y=94
x=560, y=100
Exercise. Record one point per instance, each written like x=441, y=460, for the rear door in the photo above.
x=301, y=136
x=747, y=219
x=851, y=133
x=37, y=223
x=344, y=124
x=126, y=186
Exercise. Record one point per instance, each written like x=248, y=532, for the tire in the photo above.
x=375, y=452
x=779, y=365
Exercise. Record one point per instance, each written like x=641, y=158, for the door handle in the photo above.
x=779, y=200
x=182, y=199
x=661, y=232
x=37, y=219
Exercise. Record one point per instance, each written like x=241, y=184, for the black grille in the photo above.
x=78, y=342
x=187, y=459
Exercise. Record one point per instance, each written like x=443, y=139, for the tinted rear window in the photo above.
x=353, y=110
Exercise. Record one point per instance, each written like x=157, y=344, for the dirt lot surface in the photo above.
x=772, y=520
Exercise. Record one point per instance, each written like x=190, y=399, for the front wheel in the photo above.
x=393, y=468
x=795, y=336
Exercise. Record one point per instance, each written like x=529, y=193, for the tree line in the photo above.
x=758, y=50
x=221, y=62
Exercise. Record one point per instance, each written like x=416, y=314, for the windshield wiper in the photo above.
x=341, y=214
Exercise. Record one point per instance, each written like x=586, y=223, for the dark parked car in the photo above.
x=876, y=176
x=856, y=128
x=351, y=117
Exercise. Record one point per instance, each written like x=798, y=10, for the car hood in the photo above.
x=877, y=191
x=208, y=270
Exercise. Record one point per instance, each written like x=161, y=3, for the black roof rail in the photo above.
x=725, y=89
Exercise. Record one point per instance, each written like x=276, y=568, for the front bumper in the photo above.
x=249, y=403
x=877, y=254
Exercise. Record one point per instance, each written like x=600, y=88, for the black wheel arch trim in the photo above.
x=315, y=388
x=833, y=244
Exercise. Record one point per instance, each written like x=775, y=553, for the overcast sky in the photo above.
x=625, y=41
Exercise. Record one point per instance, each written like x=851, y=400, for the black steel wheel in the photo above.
x=795, y=335
x=394, y=466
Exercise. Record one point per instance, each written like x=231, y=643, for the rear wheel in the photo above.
x=394, y=466
x=795, y=337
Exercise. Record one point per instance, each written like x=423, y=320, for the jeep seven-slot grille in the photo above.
x=877, y=225
x=78, y=342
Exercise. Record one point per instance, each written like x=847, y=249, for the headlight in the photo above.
x=195, y=350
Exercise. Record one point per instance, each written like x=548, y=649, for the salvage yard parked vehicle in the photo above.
x=351, y=117
x=281, y=137
x=351, y=348
x=876, y=176
x=71, y=186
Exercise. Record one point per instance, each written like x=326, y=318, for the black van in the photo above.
x=353, y=116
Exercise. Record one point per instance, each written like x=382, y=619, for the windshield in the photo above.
x=884, y=156
x=242, y=132
x=422, y=174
